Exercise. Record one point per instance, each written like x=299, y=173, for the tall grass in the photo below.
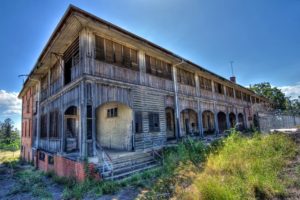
x=237, y=167
x=245, y=168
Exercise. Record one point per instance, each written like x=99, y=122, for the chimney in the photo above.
x=233, y=79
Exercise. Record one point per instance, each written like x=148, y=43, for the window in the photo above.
x=71, y=59
x=89, y=119
x=50, y=160
x=244, y=96
x=113, y=52
x=28, y=105
x=229, y=91
x=42, y=156
x=219, y=88
x=154, y=122
x=138, y=118
x=185, y=77
x=238, y=94
x=54, y=124
x=205, y=83
x=112, y=112
x=158, y=67
x=44, y=126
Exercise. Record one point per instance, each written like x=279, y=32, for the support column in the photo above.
x=94, y=127
x=177, y=114
x=227, y=119
x=38, y=124
x=216, y=119
x=82, y=122
x=200, y=123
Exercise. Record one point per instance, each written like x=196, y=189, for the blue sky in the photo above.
x=261, y=37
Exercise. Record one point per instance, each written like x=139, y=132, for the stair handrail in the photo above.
x=107, y=161
x=156, y=153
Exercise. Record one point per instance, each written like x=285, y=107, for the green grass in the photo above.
x=31, y=181
x=9, y=156
x=234, y=168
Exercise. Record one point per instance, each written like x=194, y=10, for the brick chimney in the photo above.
x=233, y=79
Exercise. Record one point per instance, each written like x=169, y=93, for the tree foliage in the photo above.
x=275, y=95
x=9, y=137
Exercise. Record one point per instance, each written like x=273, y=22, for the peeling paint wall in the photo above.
x=115, y=132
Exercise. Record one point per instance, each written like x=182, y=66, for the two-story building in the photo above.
x=97, y=87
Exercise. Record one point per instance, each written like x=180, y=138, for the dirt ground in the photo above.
x=8, y=181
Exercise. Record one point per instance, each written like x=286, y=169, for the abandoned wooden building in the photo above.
x=100, y=92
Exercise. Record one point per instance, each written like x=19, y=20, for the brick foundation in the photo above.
x=64, y=167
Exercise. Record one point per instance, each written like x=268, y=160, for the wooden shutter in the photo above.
x=100, y=55
x=126, y=57
x=134, y=59
x=153, y=65
x=148, y=65
x=118, y=53
x=109, y=51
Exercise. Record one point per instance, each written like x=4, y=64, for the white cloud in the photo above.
x=292, y=91
x=9, y=104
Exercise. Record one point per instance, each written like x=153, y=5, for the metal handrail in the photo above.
x=107, y=161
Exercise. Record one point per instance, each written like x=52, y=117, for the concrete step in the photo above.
x=130, y=173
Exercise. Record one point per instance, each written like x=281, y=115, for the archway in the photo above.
x=170, y=123
x=114, y=126
x=241, y=124
x=208, y=122
x=222, y=121
x=232, y=120
x=71, y=129
x=189, y=122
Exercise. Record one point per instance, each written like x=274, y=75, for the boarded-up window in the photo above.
x=185, y=77
x=158, y=67
x=113, y=52
x=238, y=94
x=44, y=126
x=54, y=124
x=118, y=53
x=219, y=88
x=229, y=91
x=138, y=118
x=205, y=83
x=154, y=122
x=100, y=55
x=244, y=96
x=126, y=54
x=109, y=52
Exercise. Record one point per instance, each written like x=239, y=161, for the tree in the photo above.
x=275, y=95
x=9, y=137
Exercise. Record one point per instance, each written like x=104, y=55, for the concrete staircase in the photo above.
x=121, y=166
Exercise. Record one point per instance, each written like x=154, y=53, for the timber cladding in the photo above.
x=99, y=86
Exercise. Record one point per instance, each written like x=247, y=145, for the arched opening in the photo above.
x=114, y=126
x=232, y=120
x=241, y=123
x=208, y=122
x=189, y=122
x=170, y=123
x=71, y=129
x=222, y=121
